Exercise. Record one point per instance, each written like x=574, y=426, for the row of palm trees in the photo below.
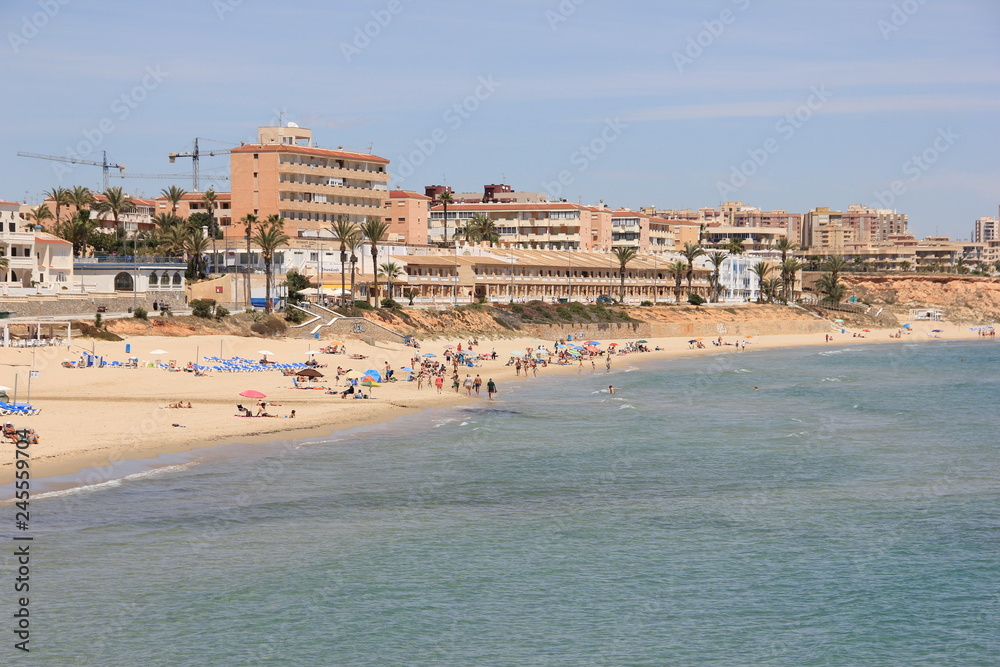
x=771, y=288
x=351, y=236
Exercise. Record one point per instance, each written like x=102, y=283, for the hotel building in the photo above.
x=285, y=174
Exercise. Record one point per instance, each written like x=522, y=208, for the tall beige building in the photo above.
x=310, y=187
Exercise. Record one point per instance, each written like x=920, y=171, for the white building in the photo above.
x=34, y=259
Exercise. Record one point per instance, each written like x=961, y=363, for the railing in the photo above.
x=128, y=259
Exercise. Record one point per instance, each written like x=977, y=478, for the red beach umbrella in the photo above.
x=251, y=393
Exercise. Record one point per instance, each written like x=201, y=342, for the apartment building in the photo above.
x=285, y=174
x=874, y=224
x=33, y=257
x=492, y=194
x=985, y=229
x=408, y=216
x=138, y=218
x=193, y=202
x=548, y=226
x=757, y=238
x=504, y=275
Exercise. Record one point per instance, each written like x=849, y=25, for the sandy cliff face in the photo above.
x=963, y=298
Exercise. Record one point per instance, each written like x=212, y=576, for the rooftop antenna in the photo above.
x=371, y=145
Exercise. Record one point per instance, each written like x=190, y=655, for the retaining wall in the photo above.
x=38, y=306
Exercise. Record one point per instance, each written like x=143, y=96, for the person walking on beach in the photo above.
x=439, y=383
x=468, y=385
x=491, y=388
x=477, y=383
x=607, y=363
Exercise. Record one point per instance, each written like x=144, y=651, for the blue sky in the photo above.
x=778, y=103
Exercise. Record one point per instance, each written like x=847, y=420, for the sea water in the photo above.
x=818, y=506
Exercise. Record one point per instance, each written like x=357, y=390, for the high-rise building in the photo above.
x=407, y=214
x=285, y=174
x=984, y=230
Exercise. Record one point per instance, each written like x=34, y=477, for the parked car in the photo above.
x=604, y=298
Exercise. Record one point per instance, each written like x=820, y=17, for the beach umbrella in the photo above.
x=252, y=393
x=839, y=321
x=309, y=373
x=266, y=353
x=642, y=341
x=612, y=344
x=574, y=353
x=517, y=353
x=2, y=388
x=867, y=330
x=352, y=374
x=693, y=340
x=937, y=330
x=311, y=352
x=429, y=354
x=370, y=382
x=560, y=347
x=591, y=342
x=407, y=369
x=906, y=326
x=374, y=374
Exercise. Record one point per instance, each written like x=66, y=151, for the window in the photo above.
x=177, y=279
x=123, y=282
x=153, y=279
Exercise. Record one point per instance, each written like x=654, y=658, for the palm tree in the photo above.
x=39, y=215
x=165, y=221
x=445, y=198
x=677, y=268
x=789, y=267
x=785, y=246
x=624, y=255
x=210, y=203
x=249, y=220
x=5, y=264
x=486, y=227
x=353, y=242
x=904, y=266
x=716, y=259
x=390, y=271
x=834, y=264
x=374, y=229
x=81, y=198
x=960, y=265
x=343, y=229
x=691, y=252
x=269, y=237
x=77, y=230
x=115, y=202
x=175, y=240
x=195, y=244
x=829, y=285
x=770, y=287
x=735, y=246
x=173, y=194
x=60, y=198
x=761, y=270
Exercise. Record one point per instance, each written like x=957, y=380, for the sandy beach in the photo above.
x=91, y=417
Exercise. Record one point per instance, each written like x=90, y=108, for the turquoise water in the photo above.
x=845, y=513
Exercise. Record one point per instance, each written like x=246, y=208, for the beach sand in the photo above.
x=92, y=417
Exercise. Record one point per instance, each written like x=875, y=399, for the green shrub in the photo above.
x=99, y=321
x=517, y=308
x=696, y=299
x=295, y=316
x=140, y=313
x=202, y=308
x=362, y=305
x=221, y=311
x=646, y=303
x=390, y=303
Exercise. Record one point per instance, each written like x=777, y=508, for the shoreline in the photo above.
x=151, y=433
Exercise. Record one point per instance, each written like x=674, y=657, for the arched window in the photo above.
x=123, y=282
x=177, y=279
x=153, y=279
